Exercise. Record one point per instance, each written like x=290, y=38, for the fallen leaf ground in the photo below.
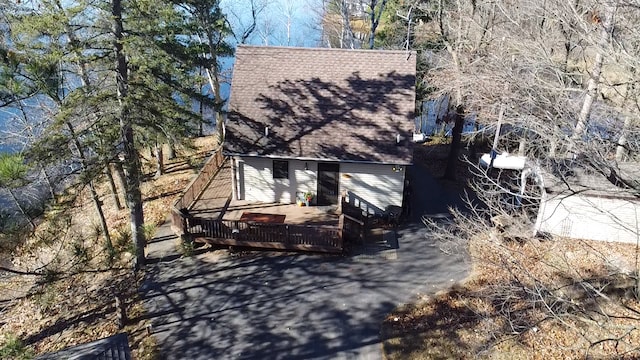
x=75, y=302
x=472, y=321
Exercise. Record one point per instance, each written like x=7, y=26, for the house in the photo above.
x=586, y=205
x=323, y=122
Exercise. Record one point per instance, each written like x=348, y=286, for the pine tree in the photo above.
x=13, y=174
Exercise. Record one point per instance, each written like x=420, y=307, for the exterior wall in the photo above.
x=372, y=187
x=255, y=180
x=591, y=218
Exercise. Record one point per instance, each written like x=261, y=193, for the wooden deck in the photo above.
x=294, y=214
x=213, y=217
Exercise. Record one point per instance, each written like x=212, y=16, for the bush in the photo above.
x=149, y=230
x=13, y=348
x=122, y=240
x=47, y=299
x=80, y=253
x=49, y=276
x=187, y=246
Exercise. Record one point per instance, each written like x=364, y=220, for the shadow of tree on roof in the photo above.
x=352, y=119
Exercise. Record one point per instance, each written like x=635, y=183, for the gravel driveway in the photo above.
x=269, y=305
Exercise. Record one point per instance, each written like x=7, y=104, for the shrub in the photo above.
x=149, y=230
x=13, y=348
x=187, y=246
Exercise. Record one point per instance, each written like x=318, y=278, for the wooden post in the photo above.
x=341, y=229
x=289, y=240
x=185, y=227
x=121, y=312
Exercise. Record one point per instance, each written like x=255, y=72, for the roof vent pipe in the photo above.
x=397, y=138
x=266, y=131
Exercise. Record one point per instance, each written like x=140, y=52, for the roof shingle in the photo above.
x=330, y=104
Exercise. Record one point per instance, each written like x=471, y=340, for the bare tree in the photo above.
x=266, y=30
x=336, y=24
x=561, y=75
x=288, y=9
x=279, y=28
x=594, y=79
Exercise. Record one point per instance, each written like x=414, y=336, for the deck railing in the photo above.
x=200, y=182
x=352, y=222
x=194, y=190
x=253, y=234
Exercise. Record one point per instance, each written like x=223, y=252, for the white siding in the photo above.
x=374, y=186
x=259, y=185
x=591, y=218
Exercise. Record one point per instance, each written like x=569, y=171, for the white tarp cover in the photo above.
x=504, y=161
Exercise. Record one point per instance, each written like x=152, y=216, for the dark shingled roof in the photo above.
x=331, y=104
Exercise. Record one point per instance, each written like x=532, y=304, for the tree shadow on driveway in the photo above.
x=277, y=305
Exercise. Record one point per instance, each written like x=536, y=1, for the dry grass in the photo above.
x=490, y=316
x=74, y=303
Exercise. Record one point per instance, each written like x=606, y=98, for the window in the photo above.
x=280, y=169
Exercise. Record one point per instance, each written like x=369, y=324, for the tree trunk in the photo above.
x=121, y=179
x=113, y=187
x=522, y=146
x=375, y=20
x=553, y=145
x=76, y=142
x=594, y=79
x=346, y=38
x=103, y=221
x=201, y=109
x=496, y=137
x=621, y=148
x=131, y=159
x=172, y=151
x=121, y=312
x=92, y=189
x=452, y=160
x=214, y=82
x=159, y=160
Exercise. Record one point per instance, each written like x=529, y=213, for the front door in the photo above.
x=328, y=183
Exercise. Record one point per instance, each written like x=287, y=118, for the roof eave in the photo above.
x=403, y=162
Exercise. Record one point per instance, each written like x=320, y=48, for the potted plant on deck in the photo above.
x=308, y=196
